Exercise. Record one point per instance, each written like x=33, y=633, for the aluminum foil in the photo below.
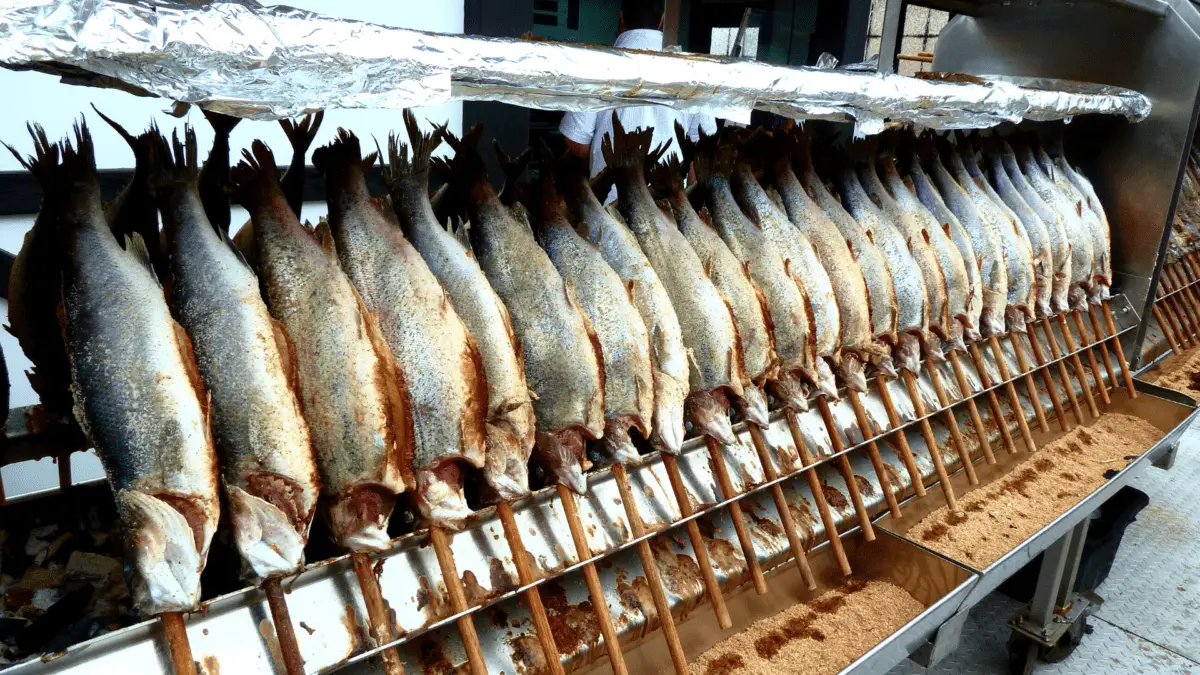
x=267, y=63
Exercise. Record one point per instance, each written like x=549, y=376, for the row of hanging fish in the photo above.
x=1185, y=231
x=383, y=351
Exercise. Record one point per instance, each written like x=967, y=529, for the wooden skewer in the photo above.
x=1026, y=375
x=663, y=607
x=64, y=471
x=1091, y=357
x=1103, y=344
x=1166, y=330
x=950, y=421
x=458, y=600
x=599, y=605
x=868, y=432
x=781, y=505
x=935, y=453
x=964, y=387
x=814, y=486
x=1187, y=313
x=541, y=623
x=736, y=515
x=711, y=587
x=1112, y=332
x=178, y=644
x=993, y=401
x=1047, y=380
x=378, y=617
x=1018, y=411
x=910, y=462
x=1078, y=366
x=1056, y=354
x=1186, y=291
x=289, y=647
x=835, y=438
x=1172, y=319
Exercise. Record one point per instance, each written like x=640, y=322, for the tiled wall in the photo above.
x=921, y=28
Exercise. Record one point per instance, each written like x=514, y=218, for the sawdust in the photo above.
x=998, y=517
x=823, y=635
x=1180, y=373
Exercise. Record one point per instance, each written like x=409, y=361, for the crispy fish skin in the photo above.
x=350, y=389
x=993, y=275
x=624, y=342
x=802, y=260
x=1035, y=230
x=668, y=356
x=436, y=355
x=1077, y=231
x=137, y=394
x=510, y=421
x=912, y=315
x=1077, y=188
x=132, y=210
x=267, y=466
x=1060, y=245
x=733, y=281
x=928, y=193
x=704, y=317
x=561, y=364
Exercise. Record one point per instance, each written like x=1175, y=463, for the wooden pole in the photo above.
x=1180, y=334
x=1078, y=366
x=781, y=505
x=1047, y=380
x=1166, y=330
x=1103, y=344
x=178, y=644
x=1183, y=302
x=537, y=611
x=1018, y=411
x=1091, y=356
x=289, y=647
x=599, y=605
x=1035, y=399
x=1056, y=354
x=993, y=401
x=1189, y=298
x=377, y=612
x=935, y=453
x=910, y=463
x=458, y=600
x=1112, y=331
x=868, y=432
x=835, y=438
x=662, y=606
x=711, y=587
x=736, y=515
x=948, y=418
x=964, y=386
x=814, y=486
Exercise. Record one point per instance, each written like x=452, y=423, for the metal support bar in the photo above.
x=893, y=26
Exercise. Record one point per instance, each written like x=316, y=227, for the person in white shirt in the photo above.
x=639, y=26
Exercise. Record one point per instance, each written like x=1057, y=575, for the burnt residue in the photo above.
x=806, y=525
x=527, y=655
x=210, y=665
x=267, y=630
x=645, y=603
x=429, y=600
x=502, y=581
x=574, y=627
x=476, y=594
x=834, y=498
x=432, y=659
x=497, y=616
x=864, y=485
x=767, y=526
x=730, y=663
x=309, y=629
x=358, y=635
x=893, y=477
x=680, y=573
x=726, y=557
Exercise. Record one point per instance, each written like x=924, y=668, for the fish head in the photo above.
x=618, y=446
x=668, y=429
x=563, y=455
x=265, y=536
x=908, y=352
x=708, y=411
x=851, y=369
x=882, y=364
x=792, y=389
x=358, y=518
x=753, y=405
x=440, y=495
x=164, y=560
x=506, y=471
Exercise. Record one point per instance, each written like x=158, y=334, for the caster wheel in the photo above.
x=1022, y=655
x=1067, y=643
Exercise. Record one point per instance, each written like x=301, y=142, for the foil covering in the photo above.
x=267, y=63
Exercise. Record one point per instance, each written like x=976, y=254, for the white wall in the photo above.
x=35, y=97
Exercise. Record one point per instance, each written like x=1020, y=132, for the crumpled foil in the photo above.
x=268, y=63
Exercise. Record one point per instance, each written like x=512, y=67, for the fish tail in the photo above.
x=44, y=163
x=175, y=163
x=221, y=123
x=666, y=177
x=255, y=174
x=506, y=470
x=714, y=159
x=513, y=167
x=421, y=146
x=343, y=154
x=466, y=168
x=630, y=150
x=300, y=134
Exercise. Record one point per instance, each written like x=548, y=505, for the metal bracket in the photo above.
x=943, y=642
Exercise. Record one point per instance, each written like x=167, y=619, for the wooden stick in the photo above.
x=1047, y=380
x=1103, y=344
x=1056, y=354
x=289, y=647
x=781, y=505
x=1112, y=331
x=1183, y=303
x=378, y=617
x=541, y=622
x=1189, y=298
x=1091, y=357
x=663, y=607
x=910, y=463
x=1078, y=366
x=599, y=605
x=178, y=644
x=1168, y=308
x=1026, y=375
x=711, y=587
x=950, y=421
x=835, y=438
x=64, y=471
x=458, y=600
x=935, y=453
x=736, y=515
x=993, y=401
x=814, y=486
x=868, y=432
x=1162, y=325
x=964, y=387
x=1018, y=411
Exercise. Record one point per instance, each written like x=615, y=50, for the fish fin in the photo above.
x=287, y=354
x=705, y=215
x=325, y=238
x=221, y=123
x=393, y=381
x=627, y=150
x=708, y=267
x=256, y=172
x=341, y=154
x=596, y=404
x=629, y=289
x=135, y=246
x=192, y=369
x=713, y=158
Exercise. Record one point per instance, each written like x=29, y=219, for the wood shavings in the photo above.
x=998, y=517
x=1178, y=373
x=823, y=635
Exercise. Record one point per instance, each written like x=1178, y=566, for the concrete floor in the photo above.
x=1150, y=620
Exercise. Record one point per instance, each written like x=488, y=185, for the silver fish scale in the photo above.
x=1034, y=229
x=1018, y=253
x=1068, y=182
x=1060, y=245
x=1077, y=231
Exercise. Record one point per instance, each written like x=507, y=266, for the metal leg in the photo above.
x=942, y=643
